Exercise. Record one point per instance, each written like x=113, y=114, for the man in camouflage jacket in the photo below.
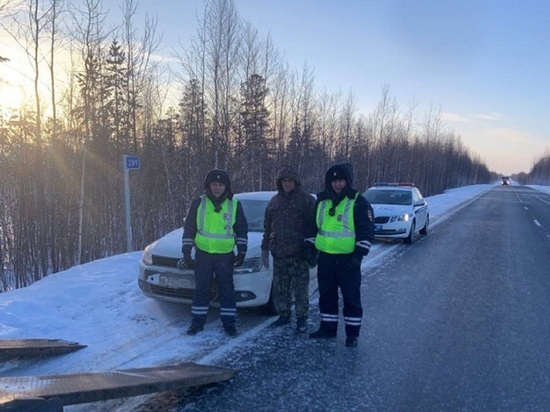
x=286, y=216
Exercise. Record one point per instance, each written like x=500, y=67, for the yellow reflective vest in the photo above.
x=336, y=234
x=215, y=232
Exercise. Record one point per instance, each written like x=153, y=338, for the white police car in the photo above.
x=160, y=278
x=400, y=211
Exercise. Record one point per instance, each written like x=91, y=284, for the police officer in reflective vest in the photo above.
x=341, y=232
x=214, y=224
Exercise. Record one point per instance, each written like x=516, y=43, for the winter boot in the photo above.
x=283, y=320
x=351, y=341
x=230, y=330
x=301, y=325
x=194, y=329
x=323, y=334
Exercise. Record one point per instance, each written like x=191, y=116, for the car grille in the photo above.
x=381, y=219
x=165, y=261
x=178, y=293
x=390, y=232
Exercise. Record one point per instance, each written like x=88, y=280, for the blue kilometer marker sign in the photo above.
x=129, y=163
x=132, y=162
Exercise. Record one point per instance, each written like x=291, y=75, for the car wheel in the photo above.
x=270, y=308
x=424, y=230
x=409, y=240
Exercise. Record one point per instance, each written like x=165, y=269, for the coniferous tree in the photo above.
x=256, y=130
x=116, y=87
x=197, y=146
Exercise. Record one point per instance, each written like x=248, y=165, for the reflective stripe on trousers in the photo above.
x=208, y=265
x=335, y=272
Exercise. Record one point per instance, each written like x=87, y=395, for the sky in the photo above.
x=482, y=64
x=99, y=304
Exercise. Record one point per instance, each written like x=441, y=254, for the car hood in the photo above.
x=170, y=244
x=390, y=210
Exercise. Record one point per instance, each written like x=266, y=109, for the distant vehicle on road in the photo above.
x=400, y=211
x=505, y=181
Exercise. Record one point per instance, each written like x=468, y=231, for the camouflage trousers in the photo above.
x=291, y=277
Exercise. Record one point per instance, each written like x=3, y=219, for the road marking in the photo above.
x=525, y=207
x=542, y=200
x=537, y=223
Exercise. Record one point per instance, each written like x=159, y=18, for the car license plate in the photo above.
x=176, y=282
x=377, y=227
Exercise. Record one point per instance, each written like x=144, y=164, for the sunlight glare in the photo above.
x=11, y=97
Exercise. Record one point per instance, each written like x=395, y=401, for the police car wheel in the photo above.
x=409, y=240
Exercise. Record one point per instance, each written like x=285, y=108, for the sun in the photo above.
x=14, y=79
x=11, y=96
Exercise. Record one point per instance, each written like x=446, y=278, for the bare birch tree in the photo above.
x=139, y=53
x=347, y=117
x=89, y=26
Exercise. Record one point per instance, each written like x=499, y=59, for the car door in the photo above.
x=420, y=208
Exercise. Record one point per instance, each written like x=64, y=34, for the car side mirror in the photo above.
x=421, y=202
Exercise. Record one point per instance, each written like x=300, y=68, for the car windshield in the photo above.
x=388, y=197
x=254, y=210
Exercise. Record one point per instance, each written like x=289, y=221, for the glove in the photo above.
x=356, y=260
x=186, y=263
x=265, y=258
x=239, y=259
x=311, y=257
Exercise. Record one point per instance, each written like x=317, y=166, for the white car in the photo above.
x=160, y=278
x=400, y=211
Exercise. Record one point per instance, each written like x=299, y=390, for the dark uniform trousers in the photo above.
x=333, y=272
x=207, y=264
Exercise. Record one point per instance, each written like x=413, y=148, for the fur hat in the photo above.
x=217, y=175
x=339, y=171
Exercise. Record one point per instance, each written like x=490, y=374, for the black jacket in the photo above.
x=240, y=226
x=190, y=228
x=363, y=214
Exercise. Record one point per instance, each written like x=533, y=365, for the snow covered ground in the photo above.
x=99, y=304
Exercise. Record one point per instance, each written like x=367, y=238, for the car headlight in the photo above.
x=147, y=257
x=250, y=265
x=402, y=218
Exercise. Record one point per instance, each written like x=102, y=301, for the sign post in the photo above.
x=129, y=163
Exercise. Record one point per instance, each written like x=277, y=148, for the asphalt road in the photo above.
x=459, y=321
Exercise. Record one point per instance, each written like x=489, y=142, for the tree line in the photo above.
x=240, y=107
x=539, y=173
